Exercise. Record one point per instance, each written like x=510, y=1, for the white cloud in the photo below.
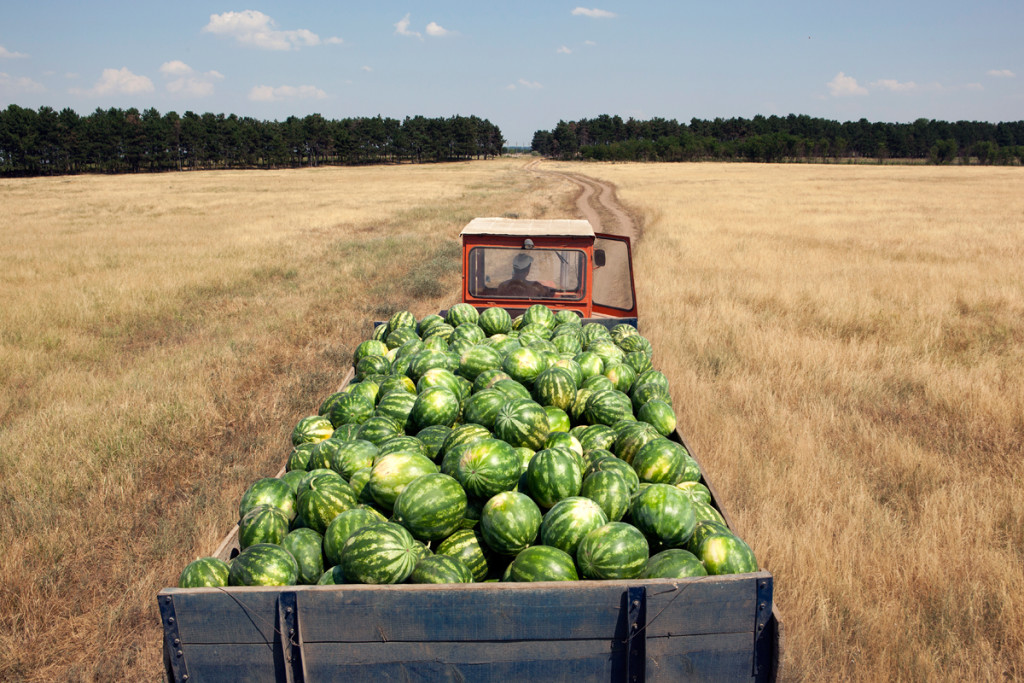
x=589, y=42
x=186, y=81
x=7, y=54
x=845, y=86
x=974, y=87
x=436, y=30
x=532, y=85
x=564, y=50
x=593, y=13
x=894, y=86
x=367, y=69
x=334, y=40
x=256, y=29
x=118, y=81
x=402, y=27
x=13, y=85
x=266, y=93
x=1001, y=73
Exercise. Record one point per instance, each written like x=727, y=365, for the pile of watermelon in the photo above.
x=474, y=447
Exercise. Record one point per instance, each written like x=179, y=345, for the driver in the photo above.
x=518, y=285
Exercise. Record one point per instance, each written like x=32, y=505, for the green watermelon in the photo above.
x=262, y=524
x=268, y=491
x=482, y=407
x=522, y=422
x=331, y=577
x=398, y=406
x=495, y=320
x=396, y=383
x=614, y=551
x=400, y=320
x=352, y=456
x=664, y=514
x=695, y=491
x=427, y=359
x=621, y=376
x=569, y=520
x=391, y=474
x=311, y=429
x=424, y=326
x=542, y=563
x=461, y=313
x=379, y=428
x=726, y=554
x=298, y=459
x=441, y=569
x=706, y=511
x=401, y=444
x=608, y=406
x=432, y=438
x=674, y=563
x=478, y=359
x=650, y=390
x=597, y=437
x=661, y=461
x=326, y=499
x=437, y=338
x=539, y=314
x=343, y=526
x=512, y=389
x=324, y=454
x=397, y=338
x=460, y=436
x=704, y=528
x=659, y=415
x=487, y=467
x=379, y=554
x=468, y=546
x=372, y=366
x=510, y=522
x=306, y=546
x=565, y=441
x=370, y=347
x=590, y=364
x=487, y=378
x=610, y=491
x=292, y=478
x=638, y=360
x=439, y=377
x=616, y=465
x=434, y=406
x=553, y=474
x=206, y=572
x=598, y=383
x=431, y=507
x=631, y=438
x=263, y=564
x=523, y=365
x=555, y=387
x=558, y=419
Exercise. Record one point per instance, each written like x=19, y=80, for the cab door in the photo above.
x=614, y=294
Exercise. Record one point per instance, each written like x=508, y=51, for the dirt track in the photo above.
x=598, y=203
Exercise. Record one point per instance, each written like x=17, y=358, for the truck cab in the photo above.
x=561, y=263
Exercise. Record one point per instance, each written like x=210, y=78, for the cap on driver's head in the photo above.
x=522, y=261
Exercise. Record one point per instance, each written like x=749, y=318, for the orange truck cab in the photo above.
x=563, y=264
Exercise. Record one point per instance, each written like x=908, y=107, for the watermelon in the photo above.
x=597, y=383
x=614, y=551
x=522, y=422
x=478, y=359
x=726, y=554
x=610, y=491
x=461, y=313
x=440, y=569
x=553, y=474
x=482, y=407
x=631, y=438
x=565, y=441
x=439, y=377
x=263, y=564
x=487, y=467
x=510, y=522
x=206, y=572
x=431, y=507
x=434, y=406
x=487, y=378
x=704, y=528
x=558, y=419
x=396, y=382
x=323, y=454
x=609, y=352
x=424, y=326
x=370, y=347
x=298, y=459
x=590, y=364
x=401, y=444
x=371, y=366
x=379, y=554
x=331, y=577
x=467, y=545
x=306, y=546
x=268, y=491
x=661, y=461
x=352, y=456
x=555, y=387
x=664, y=514
x=400, y=320
x=650, y=390
x=597, y=437
x=523, y=364
x=379, y=428
x=398, y=406
x=397, y=338
x=311, y=429
x=705, y=511
x=542, y=563
x=674, y=563
x=343, y=526
x=432, y=438
x=427, y=359
x=579, y=405
x=495, y=320
x=695, y=491
x=638, y=360
x=634, y=343
x=326, y=498
x=368, y=389
x=621, y=467
x=391, y=474
x=437, y=338
x=608, y=406
x=659, y=415
x=621, y=376
x=292, y=478
x=568, y=521
x=308, y=478
x=539, y=314
x=567, y=343
x=512, y=389
x=464, y=434
x=262, y=524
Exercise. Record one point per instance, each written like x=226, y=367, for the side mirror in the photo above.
x=599, y=258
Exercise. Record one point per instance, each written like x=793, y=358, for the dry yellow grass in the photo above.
x=160, y=337
x=847, y=351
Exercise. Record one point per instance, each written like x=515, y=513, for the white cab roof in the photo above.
x=527, y=227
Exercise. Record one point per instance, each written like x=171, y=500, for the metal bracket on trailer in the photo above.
x=291, y=638
x=636, y=634
x=763, y=627
x=175, y=666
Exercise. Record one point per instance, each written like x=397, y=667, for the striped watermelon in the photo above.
x=522, y=422
x=400, y=320
x=440, y=569
x=539, y=314
x=597, y=437
x=352, y=456
x=553, y=474
x=464, y=434
x=639, y=361
x=614, y=551
x=292, y=478
x=597, y=383
x=439, y=377
x=467, y=545
x=262, y=524
x=263, y=564
x=372, y=366
x=323, y=454
x=478, y=359
x=396, y=382
x=610, y=491
x=467, y=332
x=351, y=408
x=392, y=473
x=461, y=313
x=664, y=514
x=398, y=338
x=659, y=415
x=495, y=320
x=298, y=459
x=326, y=498
x=427, y=359
x=512, y=389
x=590, y=364
x=661, y=461
x=726, y=554
x=523, y=364
x=555, y=387
x=431, y=507
x=614, y=464
x=370, y=347
x=402, y=444
x=343, y=526
x=695, y=491
x=398, y=406
x=510, y=522
x=379, y=554
x=488, y=377
x=558, y=419
x=434, y=406
x=569, y=520
x=433, y=438
x=487, y=467
x=367, y=389
x=306, y=546
x=424, y=326
x=704, y=528
x=268, y=491
x=311, y=429
x=674, y=563
x=608, y=406
x=206, y=572
x=482, y=407
x=631, y=438
x=621, y=375
x=542, y=563
x=437, y=338
x=647, y=391
x=565, y=441
x=379, y=428
x=331, y=577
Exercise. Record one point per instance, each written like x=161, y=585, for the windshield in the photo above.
x=506, y=272
x=613, y=282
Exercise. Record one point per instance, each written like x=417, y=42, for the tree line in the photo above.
x=50, y=142
x=777, y=139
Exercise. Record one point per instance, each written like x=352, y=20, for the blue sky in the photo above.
x=522, y=65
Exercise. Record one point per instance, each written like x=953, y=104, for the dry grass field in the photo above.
x=847, y=351
x=846, y=346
